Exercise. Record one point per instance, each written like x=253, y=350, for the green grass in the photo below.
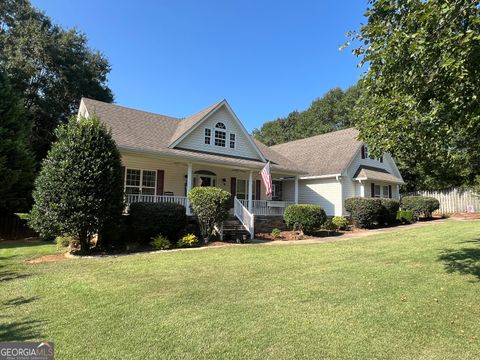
x=410, y=294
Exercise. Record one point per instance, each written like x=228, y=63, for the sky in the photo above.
x=267, y=58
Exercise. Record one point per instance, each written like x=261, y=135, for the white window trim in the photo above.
x=254, y=189
x=205, y=136
x=230, y=141
x=141, y=180
x=215, y=137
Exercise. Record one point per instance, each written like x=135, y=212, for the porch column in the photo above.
x=250, y=191
x=362, y=189
x=189, y=185
x=296, y=189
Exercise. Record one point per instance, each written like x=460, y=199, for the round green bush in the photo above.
x=304, y=217
x=211, y=206
x=340, y=222
x=405, y=216
x=188, y=240
x=150, y=219
x=276, y=233
x=420, y=205
x=365, y=212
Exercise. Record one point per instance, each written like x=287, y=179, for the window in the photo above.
x=140, y=182
x=376, y=191
x=220, y=125
x=232, y=141
x=220, y=138
x=208, y=135
x=386, y=191
x=242, y=189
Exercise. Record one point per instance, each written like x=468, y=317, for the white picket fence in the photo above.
x=454, y=200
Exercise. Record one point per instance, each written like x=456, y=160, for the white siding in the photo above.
x=196, y=139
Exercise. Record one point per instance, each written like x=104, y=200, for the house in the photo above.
x=163, y=157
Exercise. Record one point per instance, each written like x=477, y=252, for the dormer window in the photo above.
x=220, y=135
x=208, y=136
x=232, y=141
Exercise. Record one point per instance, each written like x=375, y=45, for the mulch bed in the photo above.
x=47, y=258
x=465, y=216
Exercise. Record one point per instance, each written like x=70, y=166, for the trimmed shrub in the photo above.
x=188, y=240
x=304, y=217
x=330, y=225
x=389, y=211
x=420, y=205
x=79, y=189
x=340, y=222
x=365, y=212
x=160, y=242
x=405, y=216
x=150, y=219
x=211, y=206
x=63, y=241
x=276, y=233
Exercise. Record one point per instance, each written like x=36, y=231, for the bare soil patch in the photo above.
x=47, y=258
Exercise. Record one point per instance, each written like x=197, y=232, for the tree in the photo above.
x=420, y=94
x=333, y=111
x=51, y=67
x=16, y=159
x=211, y=206
x=79, y=189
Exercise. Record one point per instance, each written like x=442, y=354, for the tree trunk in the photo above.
x=84, y=243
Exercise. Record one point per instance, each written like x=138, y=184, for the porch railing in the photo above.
x=267, y=207
x=133, y=198
x=245, y=217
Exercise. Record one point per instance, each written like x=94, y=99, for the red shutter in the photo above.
x=363, y=151
x=390, y=191
x=160, y=181
x=233, y=186
x=258, y=190
x=372, y=190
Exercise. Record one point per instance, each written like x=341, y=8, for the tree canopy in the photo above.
x=420, y=94
x=16, y=159
x=333, y=111
x=52, y=68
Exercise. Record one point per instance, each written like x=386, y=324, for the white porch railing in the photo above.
x=133, y=198
x=267, y=207
x=245, y=217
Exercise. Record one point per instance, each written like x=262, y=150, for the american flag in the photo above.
x=267, y=179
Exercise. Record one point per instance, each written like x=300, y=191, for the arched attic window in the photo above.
x=220, y=125
x=220, y=138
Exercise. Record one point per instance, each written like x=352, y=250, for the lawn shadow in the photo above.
x=464, y=261
x=11, y=275
x=20, y=330
x=12, y=244
x=19, y=301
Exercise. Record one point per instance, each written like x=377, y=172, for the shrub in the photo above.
x=63, y=241
x=211, y=206
x=340, y=222
x=188, y=240
x=160, y=242
x=304, y=217
x=365, y=212
x=79, y=189
x=150, y=219
x=420, y=205
x=330, y=225
x=276, y=233
x=406, y=216
x=389, y=211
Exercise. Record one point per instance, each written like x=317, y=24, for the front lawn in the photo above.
x=410, y=294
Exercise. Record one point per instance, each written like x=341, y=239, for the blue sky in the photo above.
x=266, y=58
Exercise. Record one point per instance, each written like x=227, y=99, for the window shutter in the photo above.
x=123, y=171
x=258, y=190
x=372, y=187
x=160, y=181
x=381, y=159
x=363, y=151
x=390, y=191
x=233, y=186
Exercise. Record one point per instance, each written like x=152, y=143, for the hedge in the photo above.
x=150, y=219
x=389, y=211
x=304, y=217
x=420, y=205
x=365, y=212
x=405, y=216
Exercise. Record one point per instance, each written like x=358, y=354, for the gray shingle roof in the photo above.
x=142, y=131
x=373, y=173
x=324, y=154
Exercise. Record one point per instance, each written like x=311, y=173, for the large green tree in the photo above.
x=51, y=67
x=420, y=94
x=16, y=159
x=79, y=190
x=332, y=111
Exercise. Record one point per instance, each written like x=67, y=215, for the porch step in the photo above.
x=234, y=230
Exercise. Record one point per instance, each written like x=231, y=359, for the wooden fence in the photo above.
x=13, y=228
x=454, y=200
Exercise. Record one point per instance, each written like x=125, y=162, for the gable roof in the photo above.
x=326, y=154
x=373, y=173
x=146, y=132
